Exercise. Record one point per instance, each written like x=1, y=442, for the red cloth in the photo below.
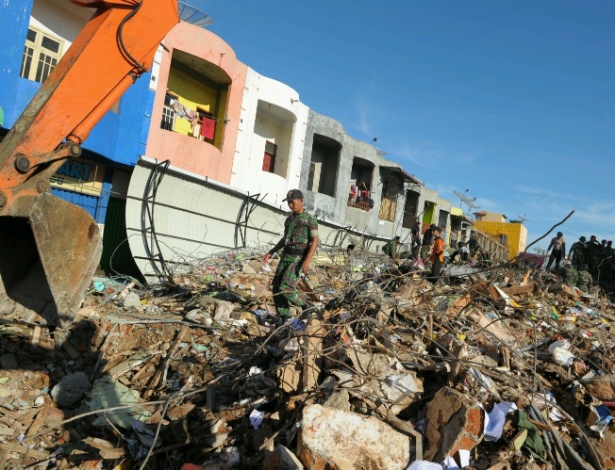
x=208, y=128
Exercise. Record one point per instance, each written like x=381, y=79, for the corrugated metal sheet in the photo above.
x=191, y=218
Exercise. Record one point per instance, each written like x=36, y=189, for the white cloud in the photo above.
x=433, y=156
x=546, y=207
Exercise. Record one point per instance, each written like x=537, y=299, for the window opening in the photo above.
x=41, y=55
x=269, y=157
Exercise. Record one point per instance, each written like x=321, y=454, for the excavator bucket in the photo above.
x=47, y=261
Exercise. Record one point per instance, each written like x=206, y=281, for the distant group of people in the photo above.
x=430, y=248
x=359, y=195
x=468, y=248
x=590, y=261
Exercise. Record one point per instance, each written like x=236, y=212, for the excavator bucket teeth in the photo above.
x=47, y=262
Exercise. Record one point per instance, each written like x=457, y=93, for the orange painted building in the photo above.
x=199, y=87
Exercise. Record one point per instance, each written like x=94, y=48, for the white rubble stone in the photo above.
x=343, y=440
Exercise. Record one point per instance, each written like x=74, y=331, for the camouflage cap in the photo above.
x=292, y=195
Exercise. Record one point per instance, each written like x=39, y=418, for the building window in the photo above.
x=311, y=176
x=269, y=158
x=388, y=203
x=41, y=55
x=168, y=115
x=324, y=165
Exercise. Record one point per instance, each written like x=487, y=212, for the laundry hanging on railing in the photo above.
x=203, y=124
x=208, y=127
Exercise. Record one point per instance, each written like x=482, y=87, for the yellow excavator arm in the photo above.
x=51, y=248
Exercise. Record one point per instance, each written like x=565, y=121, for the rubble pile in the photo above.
x=497, y=368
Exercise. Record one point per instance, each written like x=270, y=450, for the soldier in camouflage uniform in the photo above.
x=570, y=275
x=299, y=244
x=585, y=279
x=592, y=255
x=577, y=253
x=391, y=248
x=605, y=262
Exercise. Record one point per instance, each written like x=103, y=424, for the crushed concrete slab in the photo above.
x=331, y=438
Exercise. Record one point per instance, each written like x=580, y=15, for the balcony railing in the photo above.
x=362, y=203
x=202, y=126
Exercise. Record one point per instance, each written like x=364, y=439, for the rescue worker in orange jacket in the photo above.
x=437, y=255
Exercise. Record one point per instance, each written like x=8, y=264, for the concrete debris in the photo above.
x=491, y=367
x=344, y=440
x=71, y=389
x=454, y=423
x=132, y=300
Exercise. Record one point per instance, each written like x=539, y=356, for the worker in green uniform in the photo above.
x=585, y=280
x=570, y=275
x=577, y=253
x=298, y=246
x=392, y=248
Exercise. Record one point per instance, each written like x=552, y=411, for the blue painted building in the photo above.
x=36, y=33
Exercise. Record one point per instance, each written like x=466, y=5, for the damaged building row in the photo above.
x=206, y=139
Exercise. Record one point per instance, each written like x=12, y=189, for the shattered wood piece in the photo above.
x=128, y=365
x=289, y=376
x=430, y=326
x=505, y=352
x=124, y=292
x=601, y=387
x=141, y=373
x=47, y=417
x=459, y=352
x=495, y=328
x=526, y=277
x=180, y=411
x=312, y=361
x=106, y=449
x=483, y=287
x=563, y=289
x=15, y=329
x=306, y=286
x=22, y=449
x=158, y=377
x=457, y=306
x=516, y=290
x=36, y=335
x=541, y=426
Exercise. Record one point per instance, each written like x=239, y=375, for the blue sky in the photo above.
x=514, y=101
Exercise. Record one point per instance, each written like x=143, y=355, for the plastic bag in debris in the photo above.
x=418, y=264
x=424, y=465
x=599, y=418
x=145, y=434
x=560, y=353
x=497, y=419
x=256, y=418
x=106, y=393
